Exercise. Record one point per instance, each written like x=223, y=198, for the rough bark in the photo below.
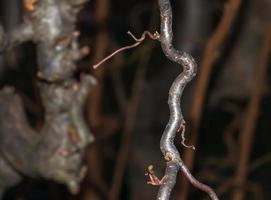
x=176, y=122
x=55, y=152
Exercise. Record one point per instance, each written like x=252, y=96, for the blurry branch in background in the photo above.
x=130, y=119
x=95, y=185
x=55, y=151
x=227, y=183
x=260, y=162
x=229, y=138
x=128, y=107
x=1, y=38
x=210, y=55
x=99, y=50
x=119, y=87
x=250, y=120
x=213, y=167
x=246, y=121
x=254, y=188
x=229, y=135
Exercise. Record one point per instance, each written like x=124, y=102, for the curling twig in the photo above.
x=182, y=130
x=154, y=36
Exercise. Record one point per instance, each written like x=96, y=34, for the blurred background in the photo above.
x=227, y=107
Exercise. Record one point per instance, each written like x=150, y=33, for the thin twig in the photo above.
x=154, y=36
x=182, y=130
x=209, y=57
x=248, y=130
x=171, y=154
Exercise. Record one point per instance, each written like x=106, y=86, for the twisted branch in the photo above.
x=176, y=121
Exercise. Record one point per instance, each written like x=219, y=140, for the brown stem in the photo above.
x=94, y=104
x=94, y=108
x=248, y=130
x=209, y=57
x=130, y=116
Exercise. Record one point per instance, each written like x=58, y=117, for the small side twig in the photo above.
x=154, y=36
x=182, y=130
x=153, y=179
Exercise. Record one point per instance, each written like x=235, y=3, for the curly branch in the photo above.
x=171, y=154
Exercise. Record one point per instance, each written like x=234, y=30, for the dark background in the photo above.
x=127, y=110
